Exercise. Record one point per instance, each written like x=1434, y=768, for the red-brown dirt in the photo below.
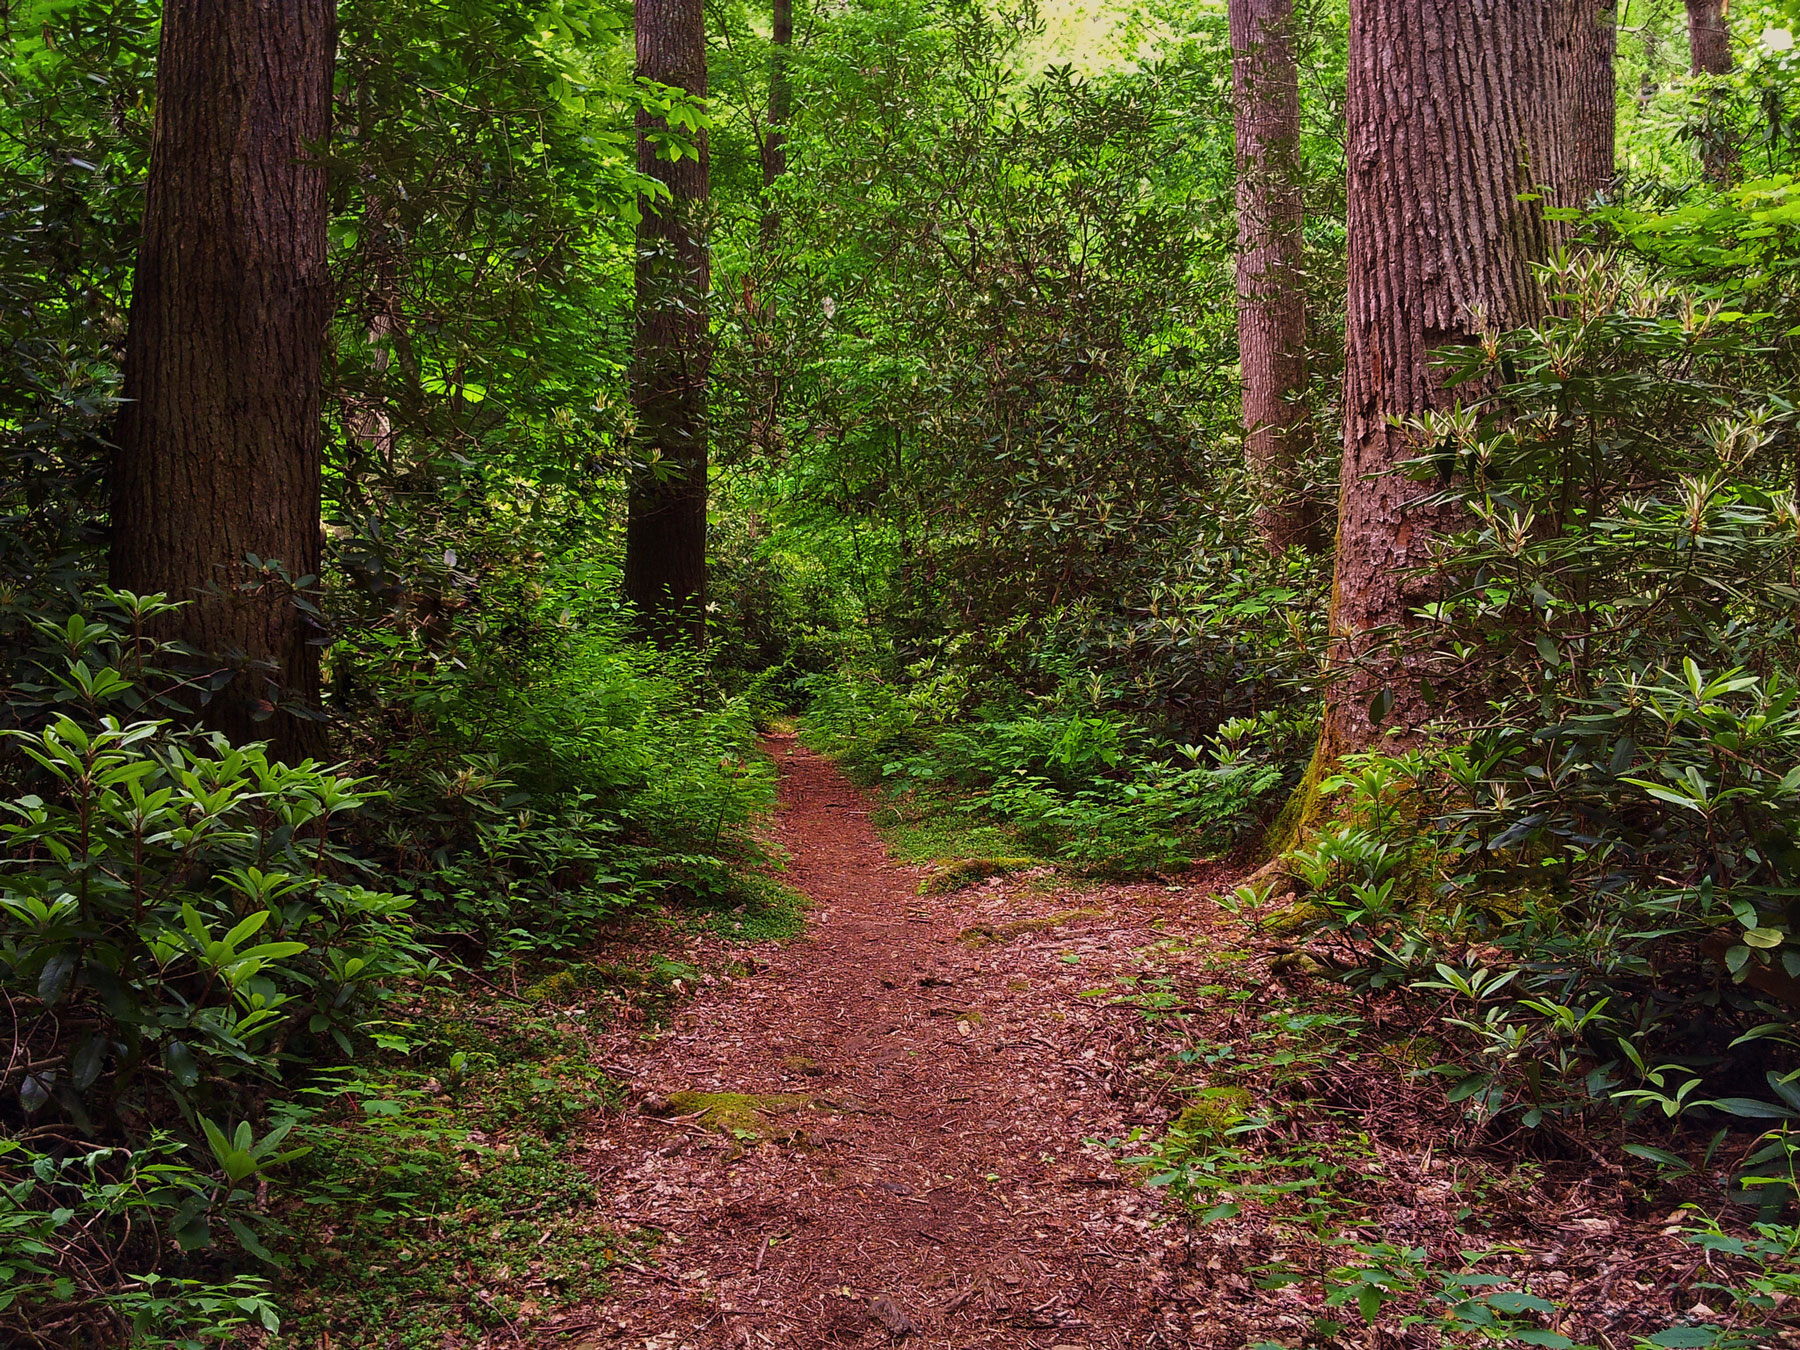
x=936, y=1188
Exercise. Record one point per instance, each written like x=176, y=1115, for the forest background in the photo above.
x=980, y=501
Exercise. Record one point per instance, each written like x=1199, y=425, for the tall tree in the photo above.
x=1709, y=37
x=1709, y=53
x=219, y=441
x=1271, y=306
x=1593, y=98
x=774, y=146
x=1453, y=117
x=665, y=532
x=1650, y=34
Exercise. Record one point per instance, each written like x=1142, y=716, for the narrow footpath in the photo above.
x=906, y=1163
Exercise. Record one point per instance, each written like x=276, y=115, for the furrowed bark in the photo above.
x=1271, y=305
x=665, y=533
x=1454, y=117
x=220, y=441
x=1593, y=99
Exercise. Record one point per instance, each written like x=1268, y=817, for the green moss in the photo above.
x=963, y=872
x=1209, y=1114
x=977, y=935
x=1300, y=917
x=927, y=830
x=755, y=907
x=569, y=985
x=1300, y=814
x=1415, y=1052
x=742, y=1116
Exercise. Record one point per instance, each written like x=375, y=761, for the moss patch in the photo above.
x=754, y=907
x=980, y=934
x=929, y=830
x=1300, y=814
x=963, y=872
x=1209, y=1114
x=1294, y=919
x=742, y=1116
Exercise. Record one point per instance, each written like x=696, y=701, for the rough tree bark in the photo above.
x=1454, y=116
x=1593, y=99
x=665, y=533
x=1709, y=37
x=1271, y=306
x=774, y=146
x=1709, y=53
x=219, y=440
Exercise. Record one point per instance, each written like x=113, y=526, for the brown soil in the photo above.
x=917, y=1169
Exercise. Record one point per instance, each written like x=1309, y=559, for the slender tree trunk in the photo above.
x=220, y=441
x=1650, y=33
x=1709, y=53
x=665, y=534
x=1593, y=99
x=1271, y=306
x=774, y=148
x=1454, y=115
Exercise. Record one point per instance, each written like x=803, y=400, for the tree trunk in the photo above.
x=1709, y=37
x=1271, y=307
x=220, y=440
x=1453, y=115
x=665, y=534
x=774, y=147
x=1650, y=33
x=1709, y=53
x=1593, y=99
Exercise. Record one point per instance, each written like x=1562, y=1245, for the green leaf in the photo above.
x=179, y=1060
x=1512, y=1301
x=1660, y=1156
x=1751, y=1109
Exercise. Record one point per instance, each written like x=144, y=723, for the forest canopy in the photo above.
x=1333, y=464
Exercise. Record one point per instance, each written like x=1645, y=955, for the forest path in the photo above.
x=922, y=1176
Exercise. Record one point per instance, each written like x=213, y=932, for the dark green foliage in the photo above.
x=1605, y=892
x=1074, y=784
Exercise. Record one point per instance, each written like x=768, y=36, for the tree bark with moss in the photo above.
x=1456, y=115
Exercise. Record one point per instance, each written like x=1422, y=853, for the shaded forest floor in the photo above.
x=882, y=1127
x=930, y=1118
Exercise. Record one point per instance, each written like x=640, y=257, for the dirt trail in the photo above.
x=936, y=1177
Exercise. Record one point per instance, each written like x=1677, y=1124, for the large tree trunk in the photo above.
x=1709, y=52
x=774, y=146
x=219, y=440
x=1454, y=115
x=1593, y=99
x=1271, y=307
x=665, y=534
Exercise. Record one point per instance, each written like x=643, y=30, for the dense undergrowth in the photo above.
x=1065, y=780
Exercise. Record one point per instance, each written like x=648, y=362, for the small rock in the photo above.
x=892, y=1316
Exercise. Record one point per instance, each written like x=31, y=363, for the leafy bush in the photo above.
x=1073, y=783
x=1597, y=873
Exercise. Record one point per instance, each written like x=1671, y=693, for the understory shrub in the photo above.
x=1079, y=784
x=1595, y=872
